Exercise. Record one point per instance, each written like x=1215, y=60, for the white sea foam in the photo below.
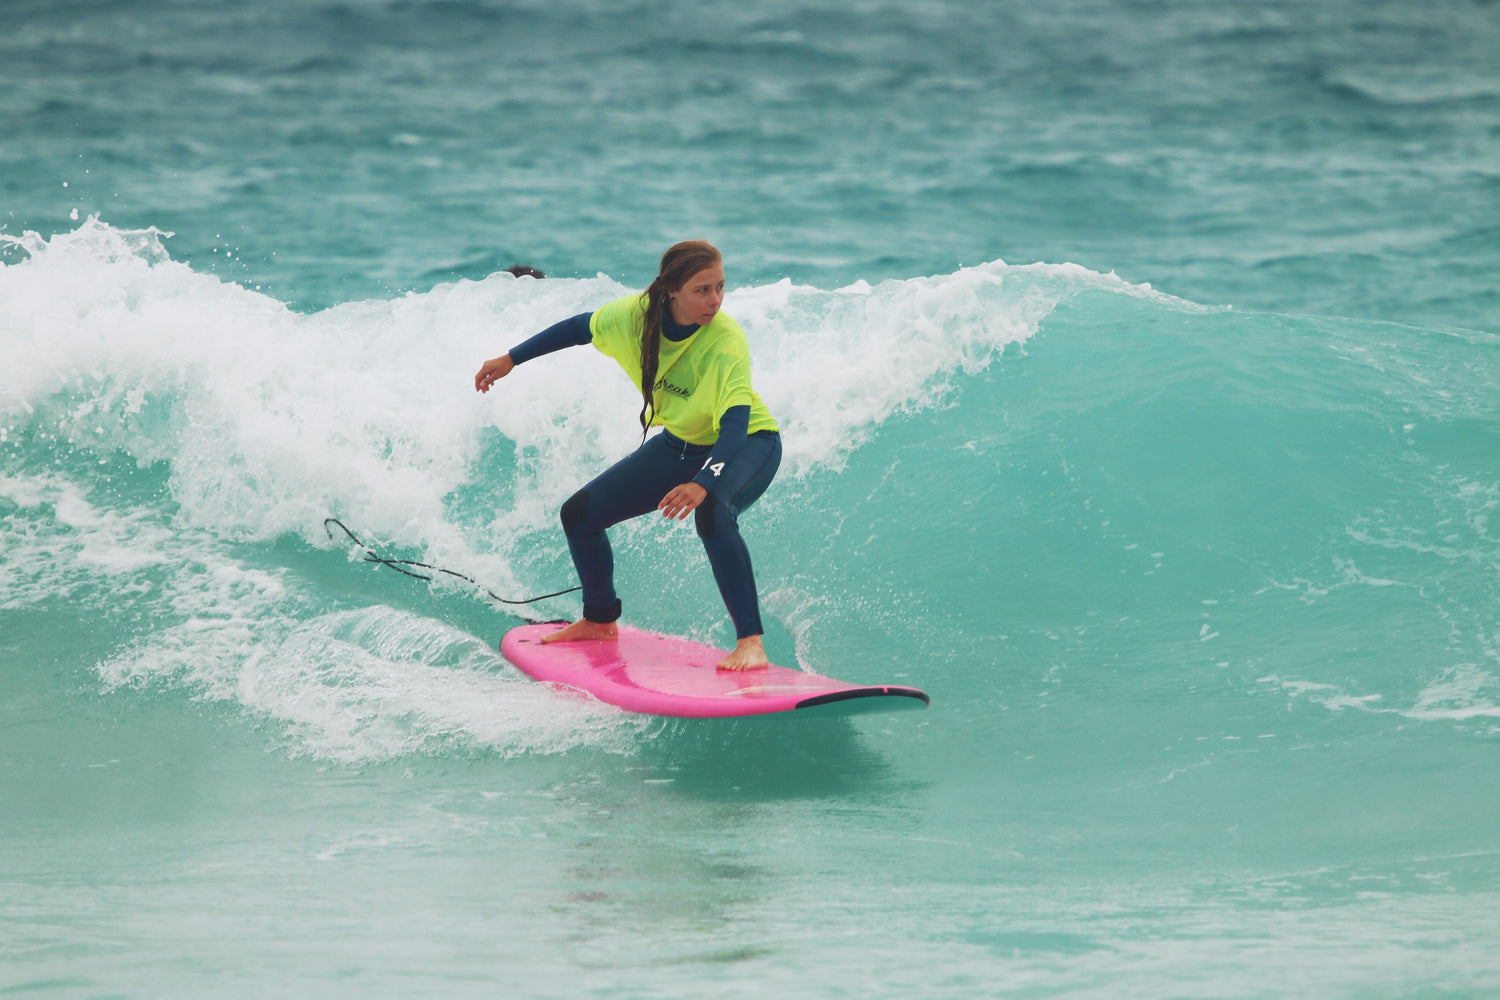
x=371, y=684
x=367, y=409
x=1460, y=693
x=354, y=686
x=58, y=542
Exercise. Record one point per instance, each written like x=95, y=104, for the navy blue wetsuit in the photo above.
x=636, y=484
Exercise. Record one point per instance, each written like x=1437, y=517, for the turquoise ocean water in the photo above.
x=1136, y=363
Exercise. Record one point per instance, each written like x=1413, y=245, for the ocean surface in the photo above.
x=1137, y=366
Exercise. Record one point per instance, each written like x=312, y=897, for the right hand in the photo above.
x=491, y=371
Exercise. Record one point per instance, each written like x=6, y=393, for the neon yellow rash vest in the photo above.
x=697, y=379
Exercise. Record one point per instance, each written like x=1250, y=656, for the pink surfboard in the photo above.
x=669, y=675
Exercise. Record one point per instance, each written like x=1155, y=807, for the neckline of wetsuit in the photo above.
x=675, y=333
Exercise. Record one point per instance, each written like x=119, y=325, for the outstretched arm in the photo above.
x=572, y=332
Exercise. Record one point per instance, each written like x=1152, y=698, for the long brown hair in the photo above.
x=678, y=264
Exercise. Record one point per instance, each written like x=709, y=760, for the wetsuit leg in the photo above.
x=717, y=520
x=631, y=487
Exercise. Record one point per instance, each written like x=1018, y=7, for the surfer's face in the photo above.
x=699, y=299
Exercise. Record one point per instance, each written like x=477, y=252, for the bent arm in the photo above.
x=734, y=427
x=682, y=500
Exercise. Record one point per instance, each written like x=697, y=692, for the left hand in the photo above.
x=682, y=501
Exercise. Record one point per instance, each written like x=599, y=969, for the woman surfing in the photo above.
x=718, y=450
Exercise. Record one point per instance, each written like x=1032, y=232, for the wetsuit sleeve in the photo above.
x=572, y=332
x=733, y=432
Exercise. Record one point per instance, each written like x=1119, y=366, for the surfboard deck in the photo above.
x=657, y=674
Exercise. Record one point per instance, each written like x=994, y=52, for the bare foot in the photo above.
x=748, y=654
x=583, y=629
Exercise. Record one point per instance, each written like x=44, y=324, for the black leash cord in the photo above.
x=371, y=556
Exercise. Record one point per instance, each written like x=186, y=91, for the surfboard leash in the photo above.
x=399, y=565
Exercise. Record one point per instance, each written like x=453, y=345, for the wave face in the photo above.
x=169, y=435
x=1279, y=509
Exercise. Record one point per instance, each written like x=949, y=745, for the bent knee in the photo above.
x=713, y=517
x=703, y=518
x=574, y=510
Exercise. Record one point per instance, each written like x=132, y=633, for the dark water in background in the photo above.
x=1205, y=597
x=1331, y=158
